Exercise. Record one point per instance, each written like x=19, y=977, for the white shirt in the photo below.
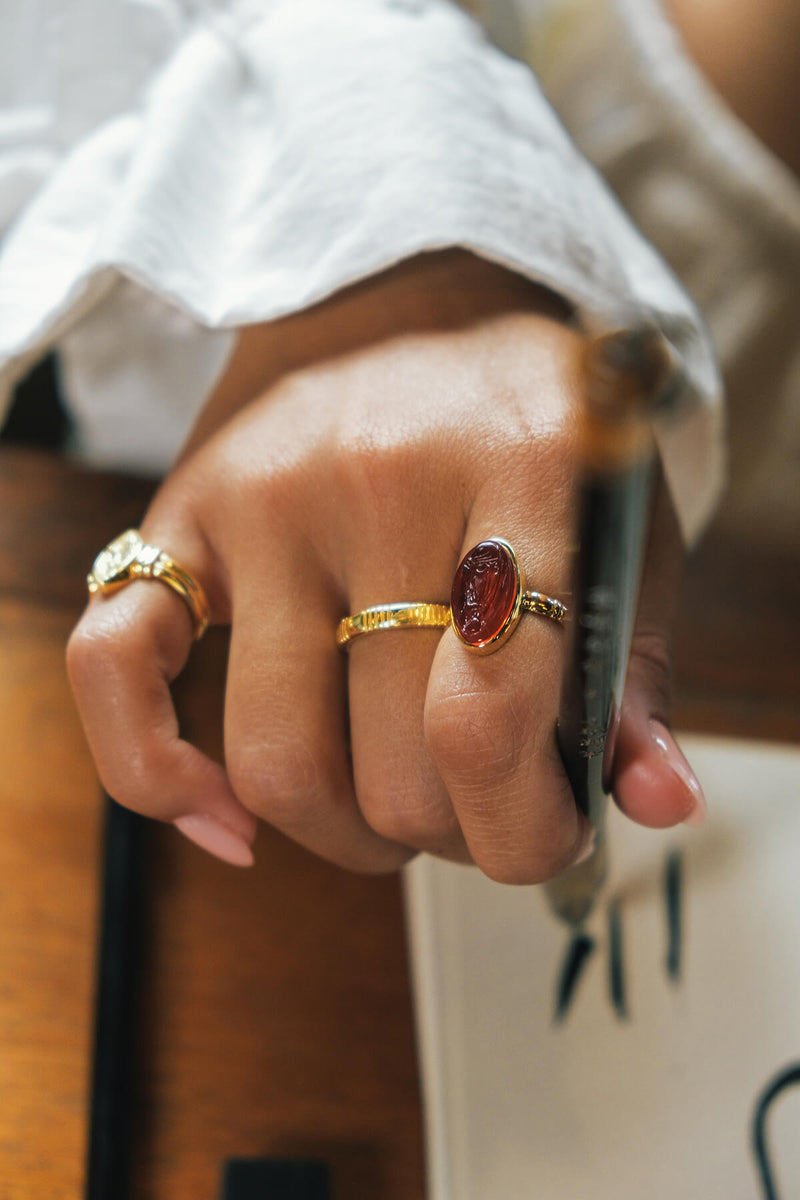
x=171, y=171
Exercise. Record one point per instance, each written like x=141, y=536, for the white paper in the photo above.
x=659, y=1105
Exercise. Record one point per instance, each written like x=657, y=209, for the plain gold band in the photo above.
x=404, y=615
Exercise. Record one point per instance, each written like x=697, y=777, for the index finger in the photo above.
x=121, y=658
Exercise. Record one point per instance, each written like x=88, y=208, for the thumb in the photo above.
x=652, y=781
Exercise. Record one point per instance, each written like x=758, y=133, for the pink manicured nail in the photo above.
x=211, y=835
x=697, y=809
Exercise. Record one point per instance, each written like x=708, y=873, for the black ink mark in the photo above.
x=580, y=949
x=673, y=899
x=616, y=972
x=788, y=1077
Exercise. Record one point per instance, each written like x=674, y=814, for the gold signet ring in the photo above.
x=129, y=557
x=489, y=596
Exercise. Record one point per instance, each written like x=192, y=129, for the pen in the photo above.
x=628, y=375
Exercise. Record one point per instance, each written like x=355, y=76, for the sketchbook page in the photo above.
x=657, y=1104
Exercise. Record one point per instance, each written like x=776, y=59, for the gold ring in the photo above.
x=129, y=557
x=408, y=614
x=487, y=600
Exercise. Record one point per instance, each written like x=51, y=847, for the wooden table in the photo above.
x=277, y=1017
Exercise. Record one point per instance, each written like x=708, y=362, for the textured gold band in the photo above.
x=544, y=606
x=414, y=614
x=405, y=615
x=129, y=557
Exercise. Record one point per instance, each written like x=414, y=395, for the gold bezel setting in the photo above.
x=501, y=635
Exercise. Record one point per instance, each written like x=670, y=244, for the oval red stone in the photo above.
x=484, y=592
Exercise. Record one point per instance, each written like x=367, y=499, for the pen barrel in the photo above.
x=613, y=527
x=625, y=375
x=613, y=523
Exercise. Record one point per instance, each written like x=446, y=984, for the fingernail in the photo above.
x=697, y=808
x=211, y=835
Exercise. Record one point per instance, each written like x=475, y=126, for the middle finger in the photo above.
x=399, y=788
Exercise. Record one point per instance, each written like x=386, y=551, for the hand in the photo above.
x=350, y=457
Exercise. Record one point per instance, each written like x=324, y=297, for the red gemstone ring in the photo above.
x=486, y=603
x=489, y=596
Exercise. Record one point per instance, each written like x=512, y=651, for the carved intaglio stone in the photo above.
x=485, y=591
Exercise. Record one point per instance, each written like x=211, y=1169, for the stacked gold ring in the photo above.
x=129, y=557
x=487, y=600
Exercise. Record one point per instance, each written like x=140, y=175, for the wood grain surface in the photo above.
x=277, y=1017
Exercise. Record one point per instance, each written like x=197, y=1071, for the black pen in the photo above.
x=628, y=374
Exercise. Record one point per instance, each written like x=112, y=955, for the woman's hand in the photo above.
x=350, y=457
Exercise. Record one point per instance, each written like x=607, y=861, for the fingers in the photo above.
x=285, y=725
x=482, y=778
x=652, y=781
x=495, y=748
x=121, y=658
x=490, y=723
x=399, y=787
x=452, y=752
x=479, y=776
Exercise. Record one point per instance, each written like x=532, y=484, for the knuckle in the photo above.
x=510, y=870
x=373, y=467
x=138, y=782
x=520, y=855
x=474, y=737
x=404, y=816
x=260, y=488
x=95, y=642
x=267, y=476
x=279, y=781
x=510, y=792
x=81, y=656
x=523, y=870
x=533, y=467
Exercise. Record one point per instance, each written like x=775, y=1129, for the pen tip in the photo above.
x=572, y=894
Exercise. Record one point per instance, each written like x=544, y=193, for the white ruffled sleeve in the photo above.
x=287, y=148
